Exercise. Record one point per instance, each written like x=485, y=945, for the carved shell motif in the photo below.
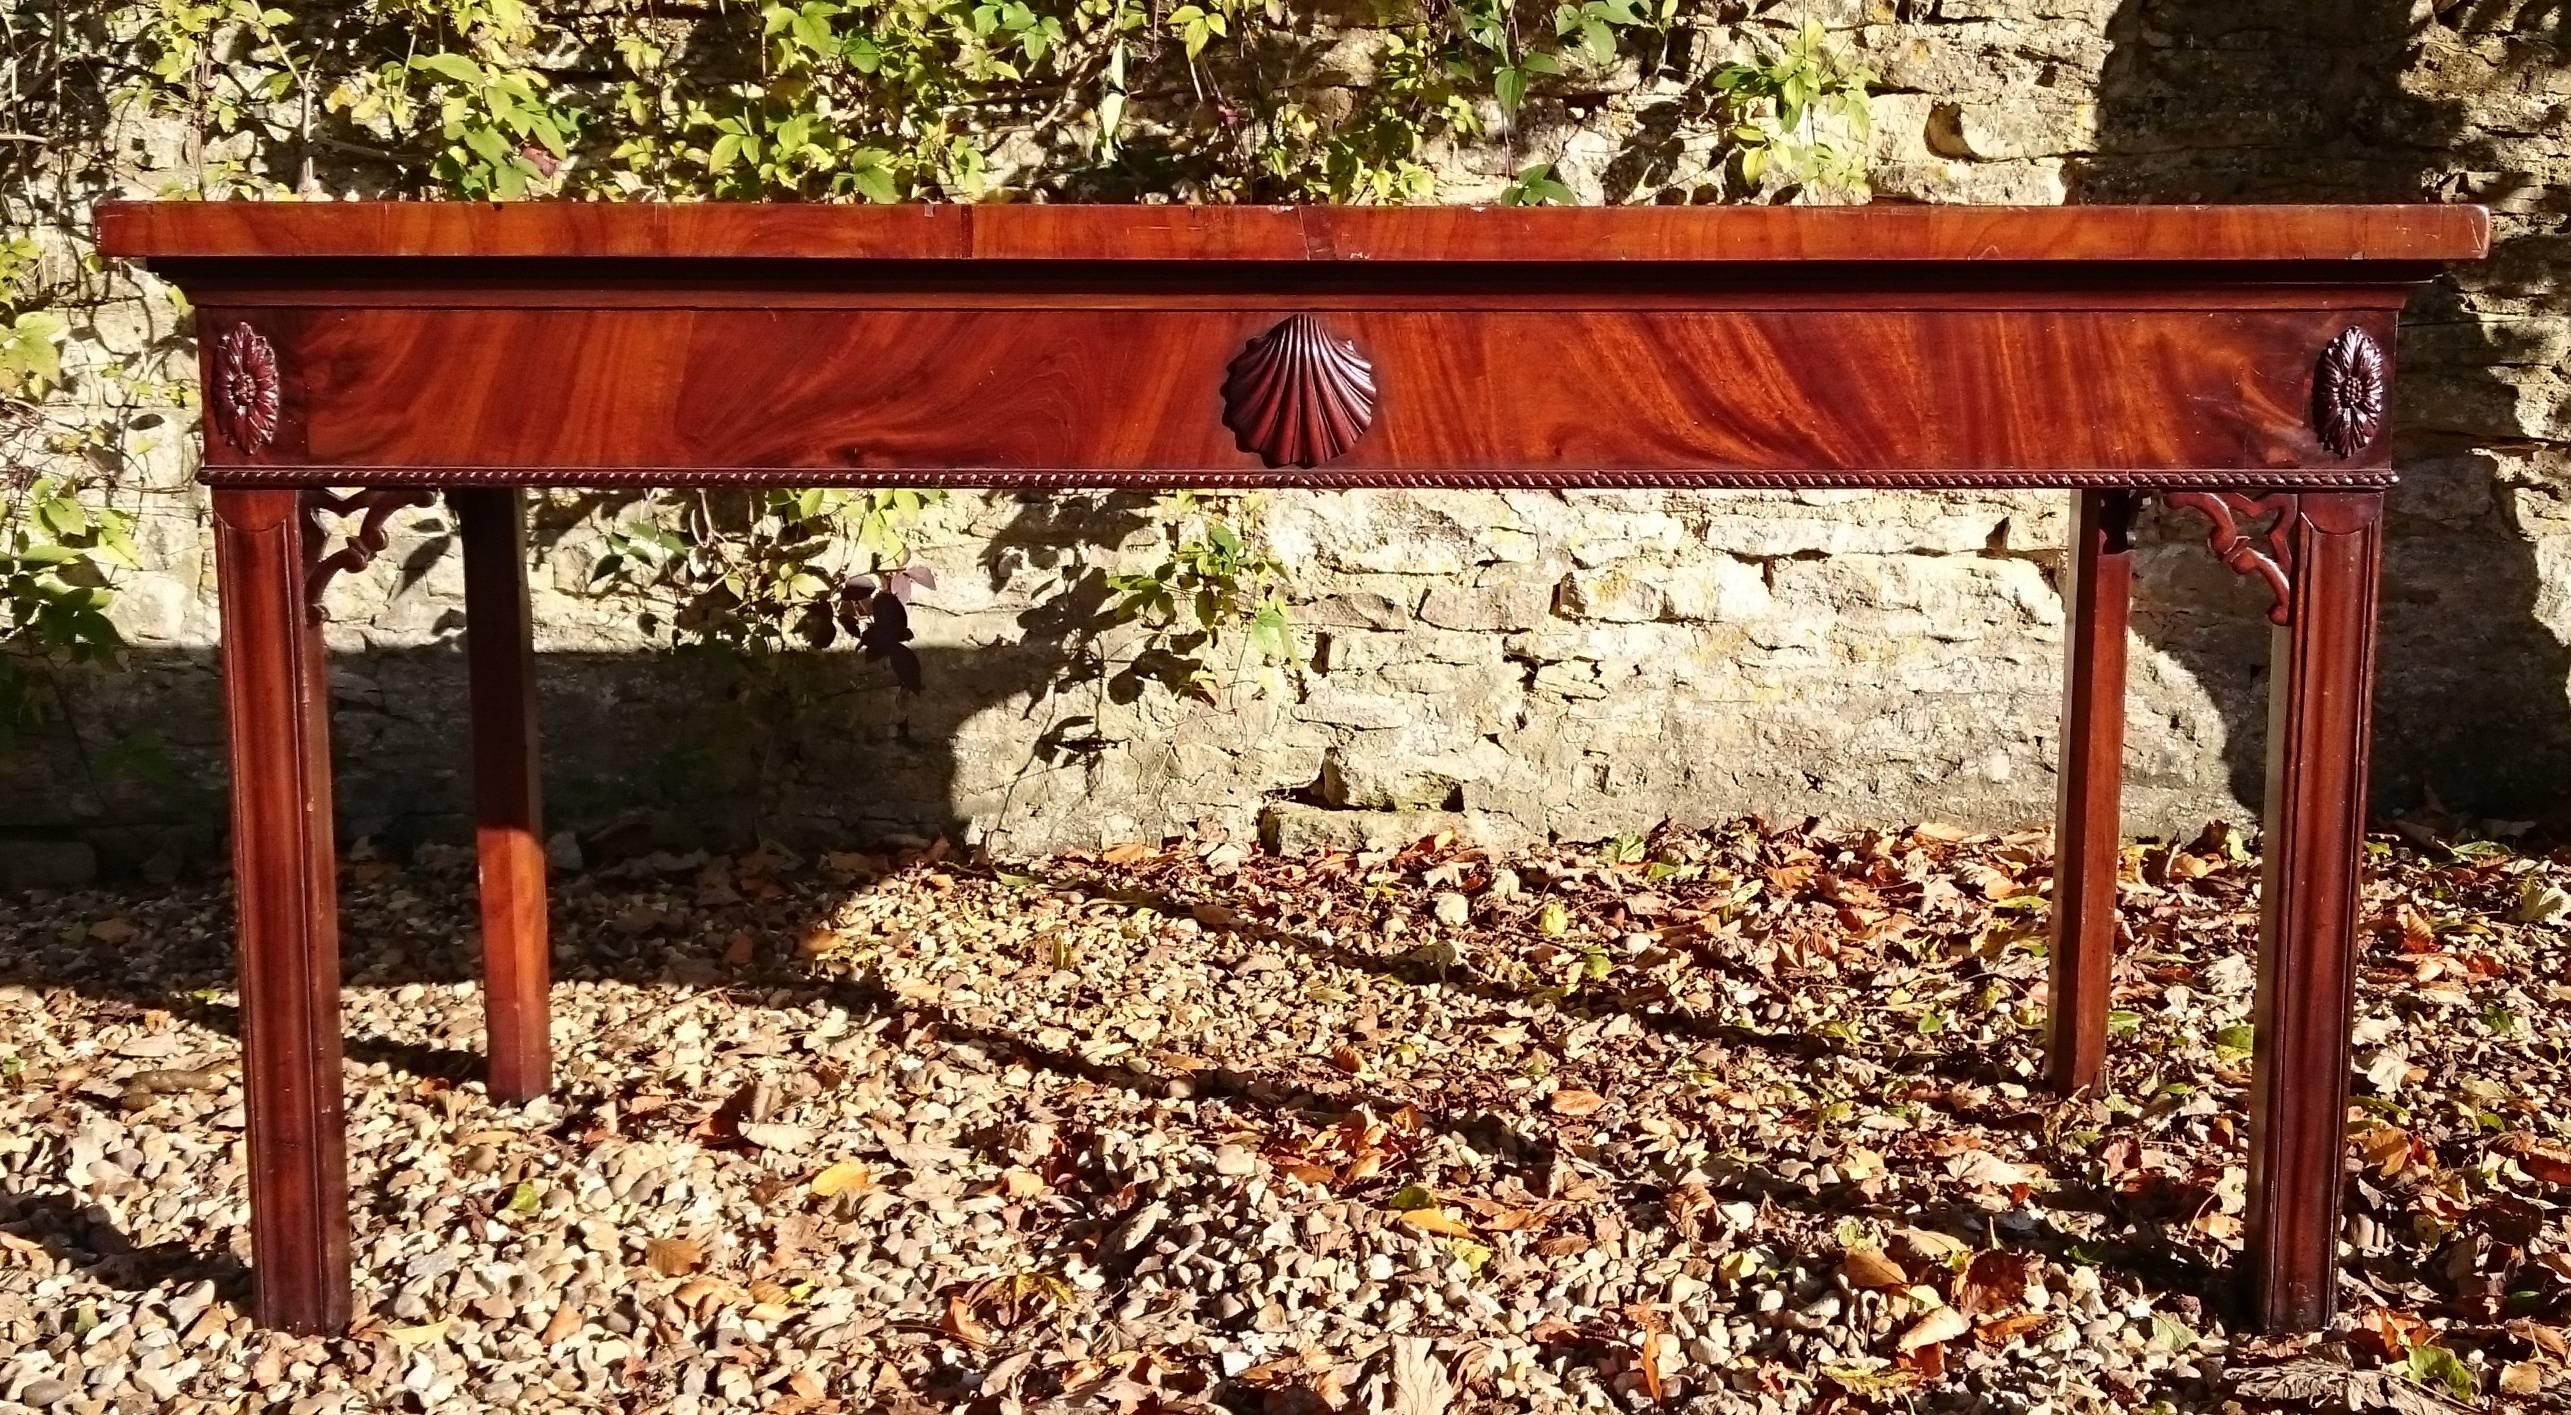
x=246, y=397
x=1298, y=397
x=2348, y=393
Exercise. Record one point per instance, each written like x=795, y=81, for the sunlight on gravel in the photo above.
x=1734, y=1120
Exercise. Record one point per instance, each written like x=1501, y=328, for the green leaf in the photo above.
x=63, y=517
x=2430, y=1364
x=454, y=67
x=488, y=145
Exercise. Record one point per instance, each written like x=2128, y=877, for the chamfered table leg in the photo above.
x=507, y=807
x=2323, y=680
x=2097, y=593
x=276, y=694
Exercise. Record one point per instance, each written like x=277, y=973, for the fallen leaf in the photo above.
x=784, y=1139
x=845, y=1177
x=1021, y=1183
x=2388, y=1332
x=2386, y=1149
x=1996, y=1282
x=1981, y=1167
x=1437, y=1221
x=1420, y=1385
x=1868, y=1267
x=961, y=1324
x=2541, y=1337
x=1942, y=1324
x=697, y=1291
x=674, y=1257
x=1652, y=1384
x=2544, y=1164
x=421, y=1335
x=2003, y=1330
x=1929, y=1245
x=1576, y=1103
x=565, y=1324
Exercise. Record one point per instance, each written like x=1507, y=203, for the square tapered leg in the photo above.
x=2323, y=681
x=508, y=816
x=2097, y=593
x=277, y=706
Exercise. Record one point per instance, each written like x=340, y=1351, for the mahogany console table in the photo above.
x=2233, y=361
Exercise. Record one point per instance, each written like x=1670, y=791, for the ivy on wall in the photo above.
x=860, y=101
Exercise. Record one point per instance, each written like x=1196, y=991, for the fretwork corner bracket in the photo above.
x=372, y=507
x=2262, y=550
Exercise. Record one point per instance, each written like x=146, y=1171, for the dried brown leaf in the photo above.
x=2003, y=1330
x=1942, y=1324
x=674, y=1257
x=1996, y=1282
x=1868, y=1267
x=960, y=1323
x=564, y=1325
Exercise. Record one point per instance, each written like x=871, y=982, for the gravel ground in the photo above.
x=1730, y=1120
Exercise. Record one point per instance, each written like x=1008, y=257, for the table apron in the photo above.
x=1109, y=396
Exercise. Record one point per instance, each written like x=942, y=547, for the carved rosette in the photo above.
x=1298, y=397
x=2348, y=386
x=2266, y=553
x=247, y=396
x=371, y=507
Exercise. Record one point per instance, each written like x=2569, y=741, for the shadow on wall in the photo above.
x=2347, y=100
x=642, y=751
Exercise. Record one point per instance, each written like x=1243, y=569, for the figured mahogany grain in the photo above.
x=1922, y=397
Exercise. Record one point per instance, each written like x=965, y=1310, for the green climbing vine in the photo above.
x=1213, y=600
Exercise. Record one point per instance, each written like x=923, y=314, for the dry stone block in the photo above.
x=1292, y=829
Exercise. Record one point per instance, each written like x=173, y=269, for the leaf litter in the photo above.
x=1744, y=1118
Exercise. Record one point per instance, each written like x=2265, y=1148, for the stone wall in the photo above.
x=1584, y=663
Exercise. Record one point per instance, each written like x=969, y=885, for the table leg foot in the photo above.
x=507, y=799
x=2323, y=680
x=277, y=704
x=2097, y=591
